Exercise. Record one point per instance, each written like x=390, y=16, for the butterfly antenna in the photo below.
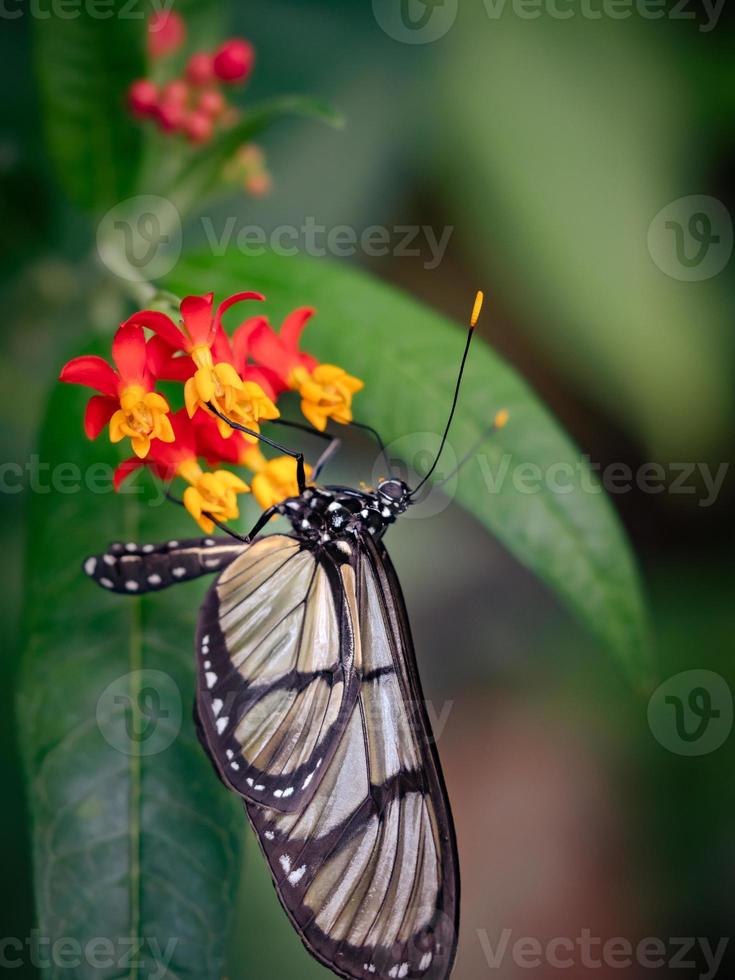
x=499, y=422
x=470, y=333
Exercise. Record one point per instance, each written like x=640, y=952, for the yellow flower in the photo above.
x=326, y=393
x=212, y=493
x=244, y=402
x=274, y=480
x=143, y=415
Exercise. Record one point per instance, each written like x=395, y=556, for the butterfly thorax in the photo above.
x=323, y=514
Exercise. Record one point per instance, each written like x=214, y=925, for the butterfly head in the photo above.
x=395, y=494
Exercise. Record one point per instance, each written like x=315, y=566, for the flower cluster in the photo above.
x=195, y=103
x=240, y=377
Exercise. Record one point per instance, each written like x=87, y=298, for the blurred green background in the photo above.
x=544, y=149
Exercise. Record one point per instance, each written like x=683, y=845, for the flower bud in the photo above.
x=171, y=116
x=175, y=93
x=166, y=33
x=198, y=127
x=200, y=70
x=233, y=60
x=211, y=103
x=142, y=98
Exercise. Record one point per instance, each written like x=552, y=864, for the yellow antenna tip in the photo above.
x=476, y=309
x=501, y=418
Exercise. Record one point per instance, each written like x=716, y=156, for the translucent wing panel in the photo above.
x=275, y=686
x=367, y=867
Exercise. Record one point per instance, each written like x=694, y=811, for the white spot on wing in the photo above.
x=131, y=546
x=221, y=725
x=285, y=862
x=90, y=565
x=106, y=582
x=296, y=876
x=288, y=792
x=269, y=835
x=234, y=765
x=179, y=571
x=216, y=706
x=211, y=678
x=154, y=579
x=229, y=753
x=131, y=585
x=425, y=961
x=173, y=544
x=148, y=548
x=109, y=559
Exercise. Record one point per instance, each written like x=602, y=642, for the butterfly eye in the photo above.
x=393, y=489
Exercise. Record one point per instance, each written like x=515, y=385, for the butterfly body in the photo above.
x=333, y=513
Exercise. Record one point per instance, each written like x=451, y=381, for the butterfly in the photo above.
x=310, y=707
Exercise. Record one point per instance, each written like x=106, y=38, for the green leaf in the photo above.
x=86, y=60
x=205, y=169
x=408, y=357
x=134, y=838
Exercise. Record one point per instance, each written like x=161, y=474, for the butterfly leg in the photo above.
x=133, y=569
x=333, y=443
x=299, y=457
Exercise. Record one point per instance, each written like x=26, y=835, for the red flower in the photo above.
x=164, y=458
x=279, y=352
x=199, y=322
x=212, y=493
x=127, y=400
x=166, y=33
x=235, y=450
x=326, y=390
x=215, y=380
x=273, y=479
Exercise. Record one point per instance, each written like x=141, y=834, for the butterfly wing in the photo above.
x=276, y=681
x=367, y=868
